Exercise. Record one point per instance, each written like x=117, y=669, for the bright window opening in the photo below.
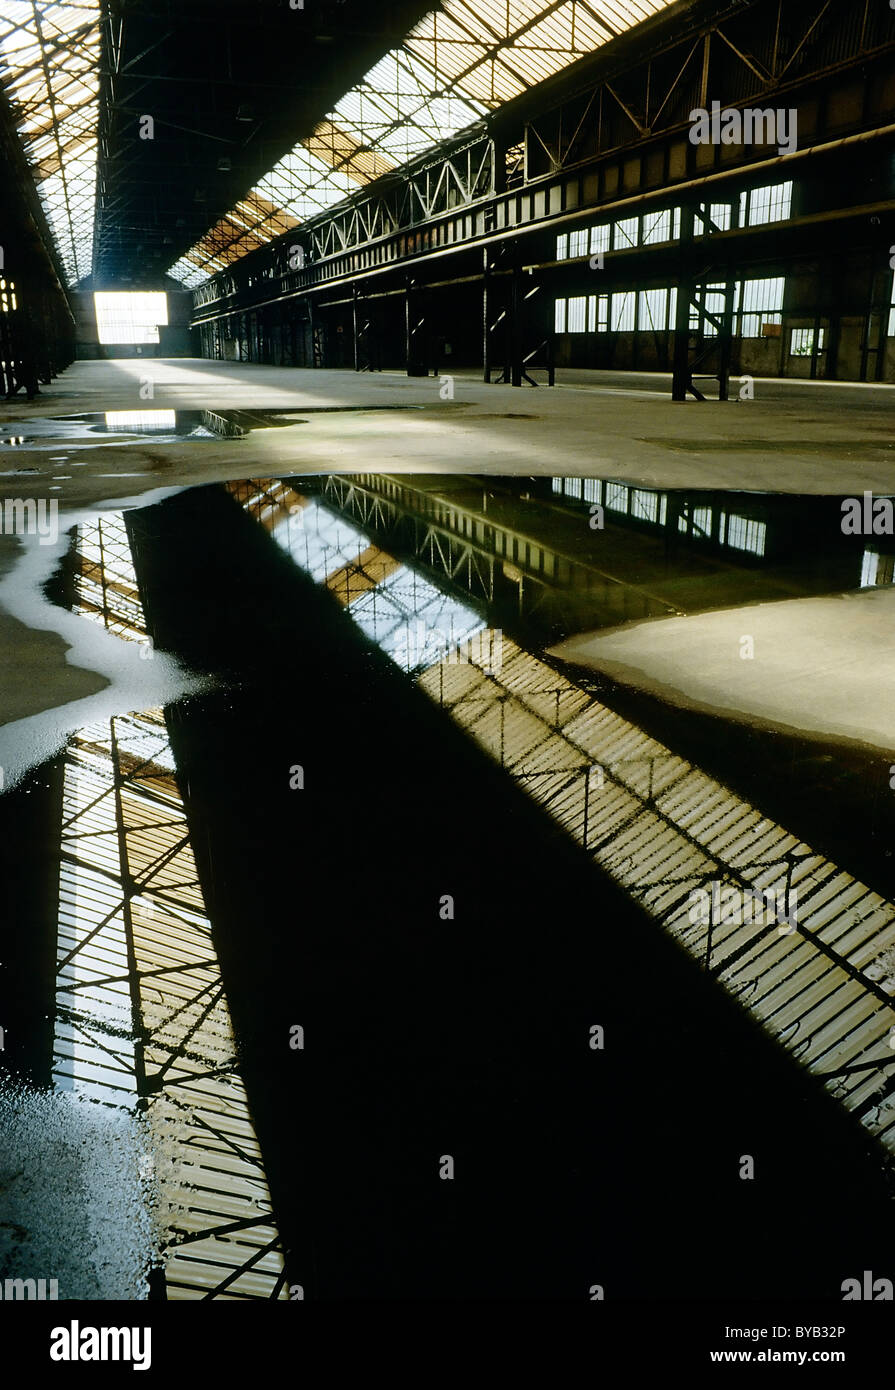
x=653, y=310
x=760, y=306
x=709, y=307
x=577, y=313
x=578, y=242
x=657, y=227
x=802, y=342
x=770, y=204
x=130, y=316
x=622, y=312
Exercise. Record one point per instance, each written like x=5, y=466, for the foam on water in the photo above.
x=77, y=1198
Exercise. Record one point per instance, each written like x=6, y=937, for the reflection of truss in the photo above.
x=479, y=552
x=50, y=61
x=461, y=60
x=663, y=830
x=410, y=618
x=142, y=1019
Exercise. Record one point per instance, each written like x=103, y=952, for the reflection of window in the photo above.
x=562, y=247
x=648, y=506
x=559, y=320
x=617, y=497
x=744, y=534
x=7, y=295
x=801, y=342
x=582, y=489
x=877, y=569
x=147, y=421
x=892, y=311
x=701, y=523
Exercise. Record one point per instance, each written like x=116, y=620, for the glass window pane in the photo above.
x=130, y=316
x=622, y=312
x=625, y=233
x=577, y=314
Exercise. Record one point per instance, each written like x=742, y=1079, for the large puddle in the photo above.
x=388, y=827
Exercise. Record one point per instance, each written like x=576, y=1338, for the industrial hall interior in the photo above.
x=447, y=581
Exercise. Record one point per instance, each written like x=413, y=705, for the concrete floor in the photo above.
x=794, y=436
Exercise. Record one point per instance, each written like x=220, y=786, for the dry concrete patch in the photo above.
x=62, y=671
x=821, y=666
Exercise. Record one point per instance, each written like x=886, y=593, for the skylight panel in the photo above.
x=49, y=60
x=455, y=65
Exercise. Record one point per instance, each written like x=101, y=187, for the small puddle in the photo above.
x=161, y=426
x=123, y=425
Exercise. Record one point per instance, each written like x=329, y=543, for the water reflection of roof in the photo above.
x=141, y=1014
x=664, y=829
x=404, y=613
x=820, y=979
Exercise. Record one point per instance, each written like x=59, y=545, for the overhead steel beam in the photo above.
x=578, y=138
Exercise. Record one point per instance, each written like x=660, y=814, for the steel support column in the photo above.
x=486, y=309
x=416, y=331
x=354, y=328
x=681, y=381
